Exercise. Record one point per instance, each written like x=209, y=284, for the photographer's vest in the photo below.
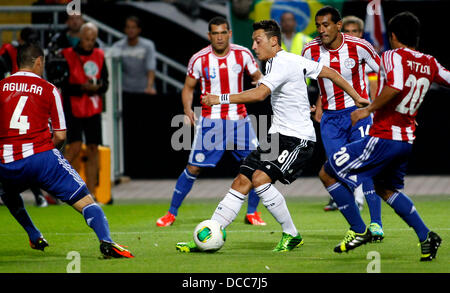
x=297, y=44
x=82, y=69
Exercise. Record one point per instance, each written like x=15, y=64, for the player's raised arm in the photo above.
x=338, y=80
x=187, y=96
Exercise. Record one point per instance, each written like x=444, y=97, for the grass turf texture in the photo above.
x=247, y=248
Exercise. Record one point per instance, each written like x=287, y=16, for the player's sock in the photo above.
x=275, y=203
x=405, y=208
x=228, y=208
x=373, y=202
x=16, y=207
x=345, y=201
x=96, y=219
x=359, y=195
x=182, y=187
x=253, y=201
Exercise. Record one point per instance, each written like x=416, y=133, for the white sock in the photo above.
x=228, y=208
x=359, y=195
x=274, y=201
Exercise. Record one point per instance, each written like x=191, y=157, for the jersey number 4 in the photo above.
x=19, y=121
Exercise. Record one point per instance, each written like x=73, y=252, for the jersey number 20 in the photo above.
x=418, y=89
x=19, y=121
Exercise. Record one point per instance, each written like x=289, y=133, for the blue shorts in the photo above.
x=383, y=160
x=336, y=129
x=215, y=136
x=50, y=171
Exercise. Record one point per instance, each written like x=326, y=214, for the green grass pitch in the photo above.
x=247, y=248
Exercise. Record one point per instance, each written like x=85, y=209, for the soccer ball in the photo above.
x=209, y=236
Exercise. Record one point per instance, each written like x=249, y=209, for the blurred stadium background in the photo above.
x=178, y=28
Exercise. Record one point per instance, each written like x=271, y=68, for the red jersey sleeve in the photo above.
x=56, y=110
x=442, y=76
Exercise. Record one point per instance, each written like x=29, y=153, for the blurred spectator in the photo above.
x=87, y=81
x=138, y=60
x=8, y=51
x=292, y=41
x=70, y=36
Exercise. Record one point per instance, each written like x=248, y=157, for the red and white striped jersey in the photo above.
x=411, y=73
x=27, y=102
x=350, y=60
x=222, y=75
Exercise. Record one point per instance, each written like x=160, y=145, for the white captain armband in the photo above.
x=225, y=99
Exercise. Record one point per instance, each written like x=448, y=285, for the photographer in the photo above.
x=82, y=90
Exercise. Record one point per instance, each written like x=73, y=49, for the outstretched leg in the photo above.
x=97, y=221
x=14, y=202
x=343, y=195
x=182, y=188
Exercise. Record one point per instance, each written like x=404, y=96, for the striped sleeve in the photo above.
x=249, y=61
x=57, y=111
x=442, y=76
x=392, y=63
x=369, y=55
x=194, y=68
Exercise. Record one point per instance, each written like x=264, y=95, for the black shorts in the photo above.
x=91, y=127
x=285, y=164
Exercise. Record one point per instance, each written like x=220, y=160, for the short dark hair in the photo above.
x=29, y=35
x=28, y=53
x=335, y=14
x=270, y=27
x=406, y=27
x=135, y=19
x=218, y=20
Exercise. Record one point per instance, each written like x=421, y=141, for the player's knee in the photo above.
x=384, y=193
x=242, y=184
x=259, y=178
x=326, y=178
x=194, y=170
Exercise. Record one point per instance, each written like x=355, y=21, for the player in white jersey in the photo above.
x=292, y=132
x=349, y=56
x=220, y=69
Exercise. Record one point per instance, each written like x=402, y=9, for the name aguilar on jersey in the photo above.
x=22, y=87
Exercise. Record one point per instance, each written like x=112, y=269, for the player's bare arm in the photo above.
x=386, y=95
x=150, y=89
x=338, y=80
x=318, y=111
x=249, y=96
x=187, y=96
x=59, y=137
x=256, y=77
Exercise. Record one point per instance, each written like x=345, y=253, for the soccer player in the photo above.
x=347, y=55
x=405, y=76
x=29, y=154
x=292, y=132
x=220, y=69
